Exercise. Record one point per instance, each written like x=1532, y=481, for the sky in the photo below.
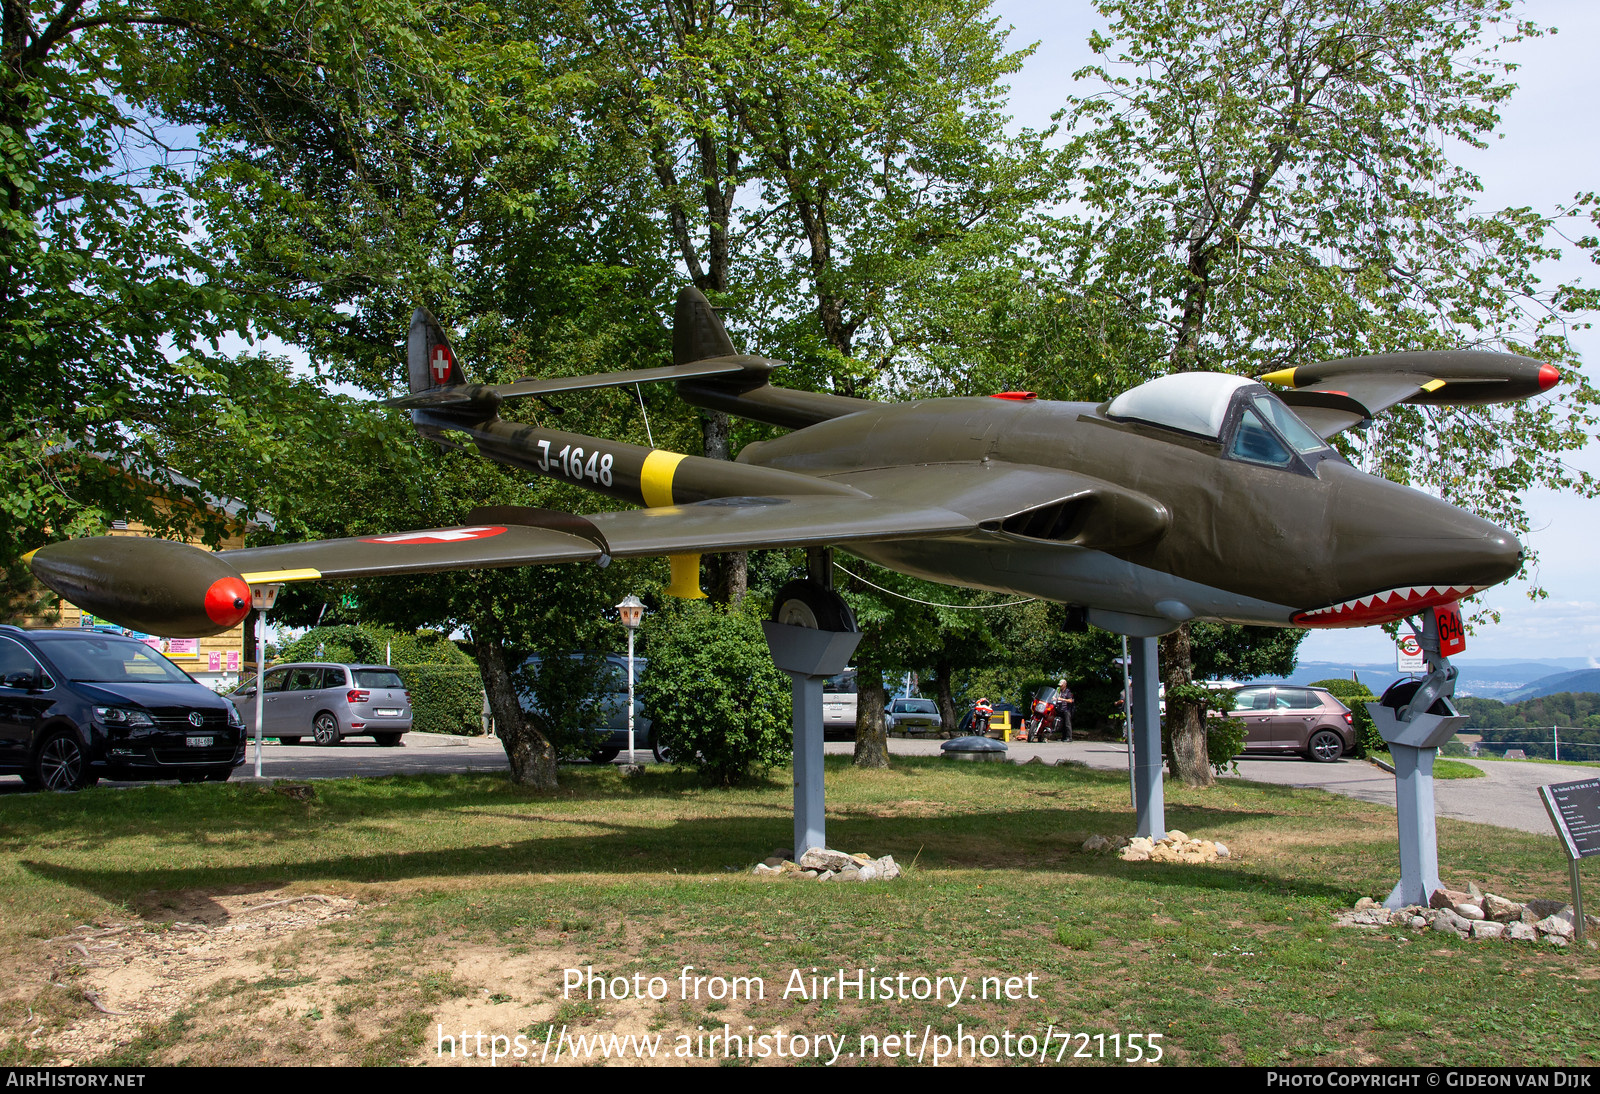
x=1547, y=151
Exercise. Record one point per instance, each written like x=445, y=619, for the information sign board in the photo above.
x=1574, y=809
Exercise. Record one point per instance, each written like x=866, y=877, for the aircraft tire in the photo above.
x=804, y=603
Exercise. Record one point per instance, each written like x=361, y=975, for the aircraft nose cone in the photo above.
x=1397, y=550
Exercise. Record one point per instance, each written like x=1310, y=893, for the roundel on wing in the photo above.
x=438, y=535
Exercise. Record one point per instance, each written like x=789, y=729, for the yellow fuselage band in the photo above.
x=655, y=477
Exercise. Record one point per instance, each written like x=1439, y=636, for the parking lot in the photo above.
x=1506, y=797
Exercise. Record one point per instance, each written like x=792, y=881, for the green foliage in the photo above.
x=444, y=698
x=1265, y=184
x=564, y=696
x=1356, y=696
x=1528, y=725
x=373, y=645
x=1225, y=736
x=713, y=694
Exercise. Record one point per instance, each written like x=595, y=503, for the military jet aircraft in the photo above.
x=1194, y=496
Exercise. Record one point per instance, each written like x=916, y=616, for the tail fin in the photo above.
x=430, y=362
x=697, y=333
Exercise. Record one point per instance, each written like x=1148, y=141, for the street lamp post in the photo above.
x=262, y=597
x=631, y=610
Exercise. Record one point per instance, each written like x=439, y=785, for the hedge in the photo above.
x=444, y=698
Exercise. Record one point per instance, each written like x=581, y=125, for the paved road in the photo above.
x=1507, y=797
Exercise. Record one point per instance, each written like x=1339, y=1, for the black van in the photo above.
x=78, y=706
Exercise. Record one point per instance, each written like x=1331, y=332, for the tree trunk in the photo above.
x=872, y=736
x=948, y=719
x=532, y=757
x=1185, y=725
x=729, y=573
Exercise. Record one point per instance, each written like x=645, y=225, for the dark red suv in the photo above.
x=1283, y=718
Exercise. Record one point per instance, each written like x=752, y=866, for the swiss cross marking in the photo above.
x=440, y=363
x=442, y=535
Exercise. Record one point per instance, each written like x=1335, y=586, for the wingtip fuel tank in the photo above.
x=152, y=585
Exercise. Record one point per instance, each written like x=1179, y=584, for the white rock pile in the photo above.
x=1475, y=914
x=1175, y=846
x=824, y=864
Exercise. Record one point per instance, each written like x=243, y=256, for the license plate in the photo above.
x=388, y=712
x=198, y=742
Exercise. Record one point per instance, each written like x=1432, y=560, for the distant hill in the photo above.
x=1580, y=681
x=1504, y=680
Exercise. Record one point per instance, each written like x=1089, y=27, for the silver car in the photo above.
x=329, y=703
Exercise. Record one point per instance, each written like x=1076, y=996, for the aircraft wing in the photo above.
x=1331, y=396
x=512, y=536
x=181, y=591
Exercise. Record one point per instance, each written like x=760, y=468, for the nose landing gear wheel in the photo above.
x=807, y=604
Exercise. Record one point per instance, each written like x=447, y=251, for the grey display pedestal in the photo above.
x=1144, y=740
x=1414, y=744
x=1414, y=733
x=809, y=657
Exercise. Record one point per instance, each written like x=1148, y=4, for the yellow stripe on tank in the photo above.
x=1432, y=385
x=273, y=577
x=655, y=477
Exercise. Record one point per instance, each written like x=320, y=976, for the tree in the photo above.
x=430, y=156
x=715, y=697
x=1265, y=183
x=108, y=294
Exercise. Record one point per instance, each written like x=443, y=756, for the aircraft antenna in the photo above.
x=647, y=434
x=933, y=603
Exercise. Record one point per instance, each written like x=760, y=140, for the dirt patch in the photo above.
x=137, y=975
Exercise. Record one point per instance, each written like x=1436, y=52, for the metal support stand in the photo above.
x=810, y=656
x=1414, y=736
x=1144, y=739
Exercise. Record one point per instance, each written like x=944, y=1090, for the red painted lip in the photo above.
x=227, y=601
x=1548, y=377
x=1018, y=395
x=1384, y=607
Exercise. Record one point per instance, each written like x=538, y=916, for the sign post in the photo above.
x=262, y=597
x=1410, y=659
x=1574, y=809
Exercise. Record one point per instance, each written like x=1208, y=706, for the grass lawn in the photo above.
x=434, y=906
x=1442, y=768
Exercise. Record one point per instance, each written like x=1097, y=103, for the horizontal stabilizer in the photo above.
x=489, y=396
x=1334, y=395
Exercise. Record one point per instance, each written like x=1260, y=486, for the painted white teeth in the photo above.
x=1394, y=598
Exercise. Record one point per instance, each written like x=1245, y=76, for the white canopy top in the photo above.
x=1195, y=402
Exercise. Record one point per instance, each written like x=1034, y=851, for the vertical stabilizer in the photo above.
x=430, y=362
x=697, y=333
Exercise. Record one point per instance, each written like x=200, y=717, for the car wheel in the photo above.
x=387, y=740
x=325, y=728
x=1325, y=746
x=62, y=764
x=604, y=755
x=661, y=752
x=288, y=740
x=804, y=603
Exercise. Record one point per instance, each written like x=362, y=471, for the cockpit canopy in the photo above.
x=1252, y=424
